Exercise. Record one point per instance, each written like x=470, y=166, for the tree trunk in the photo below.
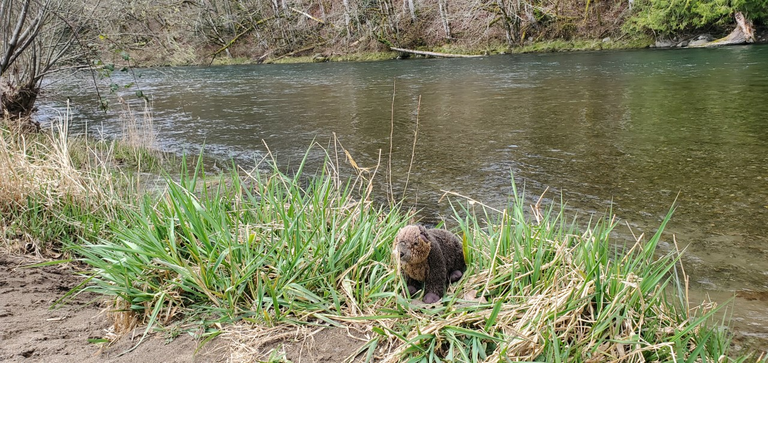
x=507, y=21
x=17, y=103
x=443, y=8
x=412, y=10
x=346, y=15
x=388, y=13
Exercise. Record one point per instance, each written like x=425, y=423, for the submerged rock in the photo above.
x=700, y=40
x=664, y=43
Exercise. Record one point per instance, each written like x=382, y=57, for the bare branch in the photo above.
x=10, y=48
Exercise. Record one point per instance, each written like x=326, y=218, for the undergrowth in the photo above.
x=270, y=250
x=50, y=191
x=57, y=189
x=267, y=250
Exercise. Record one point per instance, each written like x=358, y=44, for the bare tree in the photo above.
x=411, y=9
x=443, y=8
x=36, y=36
x=510, y=18
x=346, y=15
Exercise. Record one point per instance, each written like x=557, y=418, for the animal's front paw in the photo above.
x=456, y=275
x=412, y=289
x=431, y=298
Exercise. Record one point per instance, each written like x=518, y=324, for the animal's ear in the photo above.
x=423, y=233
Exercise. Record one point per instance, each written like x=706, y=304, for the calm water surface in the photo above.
x=632, y=131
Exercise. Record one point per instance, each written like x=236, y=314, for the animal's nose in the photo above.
x=402, y=254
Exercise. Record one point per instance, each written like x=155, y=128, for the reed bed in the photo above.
x=260, y=255
x=57, y=188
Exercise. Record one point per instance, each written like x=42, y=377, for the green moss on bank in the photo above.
x=558, y=45
x=561, y=45
x=495, y=49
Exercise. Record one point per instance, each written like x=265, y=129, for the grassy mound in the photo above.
x=271, y=249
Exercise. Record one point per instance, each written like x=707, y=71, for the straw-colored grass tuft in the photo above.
x=40, y=164
x=56, y=188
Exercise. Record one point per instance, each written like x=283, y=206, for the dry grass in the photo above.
x=251, y=345
x=41, y=164
x=56, y=187
x=292, y=343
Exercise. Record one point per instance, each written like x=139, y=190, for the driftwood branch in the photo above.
x=308, y=15
x=433, y=54
x=306, y=48
x=743, y=33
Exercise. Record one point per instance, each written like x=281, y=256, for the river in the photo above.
x=635, y=131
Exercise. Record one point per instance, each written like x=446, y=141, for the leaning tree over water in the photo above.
x=37, y=37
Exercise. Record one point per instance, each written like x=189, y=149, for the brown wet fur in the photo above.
x=429, y=258
x=416, y=251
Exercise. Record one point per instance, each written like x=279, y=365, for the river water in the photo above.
x=635, y=132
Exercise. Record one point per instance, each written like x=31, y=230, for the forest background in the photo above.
x=180, y=32
x=43, y=36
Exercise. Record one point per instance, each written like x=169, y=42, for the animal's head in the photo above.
x=412, y=244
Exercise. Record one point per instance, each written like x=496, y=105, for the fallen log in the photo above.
x=743, y=33
x=292, y=53
x=433, y=54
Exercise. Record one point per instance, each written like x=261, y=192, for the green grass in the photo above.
x=633, y=41
x=269, y=250
x=558, y=45
x=56, y=189
x=272, y=249
x=561, y=45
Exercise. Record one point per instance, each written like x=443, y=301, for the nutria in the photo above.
x=431, y=258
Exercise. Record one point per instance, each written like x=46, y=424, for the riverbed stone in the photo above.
x=701, y=40
x=664, y=43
